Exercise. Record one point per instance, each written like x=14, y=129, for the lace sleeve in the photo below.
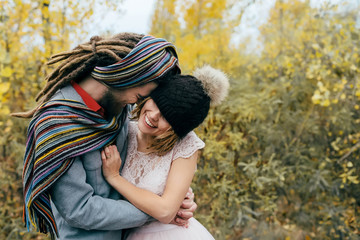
x=187, y=146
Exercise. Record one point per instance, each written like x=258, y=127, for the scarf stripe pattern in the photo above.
x=150, y=59
x=59, y=131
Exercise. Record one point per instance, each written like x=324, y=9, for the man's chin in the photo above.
x=111, y=106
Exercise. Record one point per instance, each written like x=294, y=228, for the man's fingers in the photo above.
x=188, y=207
x=193, y=207
x=188, y=204
x=181, y=222
x=185, y=215
x=189, y=195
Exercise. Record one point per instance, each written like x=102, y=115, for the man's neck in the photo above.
x=94, y=88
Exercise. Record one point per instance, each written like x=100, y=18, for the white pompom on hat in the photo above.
x=215, y=83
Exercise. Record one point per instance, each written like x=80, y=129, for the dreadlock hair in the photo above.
x=161, y=144
x=80, y=61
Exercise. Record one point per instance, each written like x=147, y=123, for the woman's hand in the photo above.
x=111, y=162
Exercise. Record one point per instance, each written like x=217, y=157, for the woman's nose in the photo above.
x=155, y=115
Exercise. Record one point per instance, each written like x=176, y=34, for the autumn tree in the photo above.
x=204, y=26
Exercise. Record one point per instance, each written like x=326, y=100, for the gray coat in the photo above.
x=84, y=204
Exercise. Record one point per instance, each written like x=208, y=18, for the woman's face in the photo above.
x=151, y=122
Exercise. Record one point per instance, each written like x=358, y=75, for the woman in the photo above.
x=163, y=152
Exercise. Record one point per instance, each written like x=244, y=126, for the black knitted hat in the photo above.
x=184, y=100
x=183, y=103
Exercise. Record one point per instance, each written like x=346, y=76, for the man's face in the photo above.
x=114, y=100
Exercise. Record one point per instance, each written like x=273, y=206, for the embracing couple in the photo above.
x=95, y=167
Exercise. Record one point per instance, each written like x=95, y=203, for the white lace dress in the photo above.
x=149, y=171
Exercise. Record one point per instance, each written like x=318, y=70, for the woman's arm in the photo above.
x=163, y=208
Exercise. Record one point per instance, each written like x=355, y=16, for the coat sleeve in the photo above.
x=75, y=201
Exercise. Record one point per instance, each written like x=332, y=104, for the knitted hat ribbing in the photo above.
x=184, y=101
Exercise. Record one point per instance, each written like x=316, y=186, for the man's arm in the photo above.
x=75, y=200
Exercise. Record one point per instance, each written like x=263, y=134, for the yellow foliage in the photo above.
x=202, y=29
x=6, y=72
x=4, y=87
x=4, y=110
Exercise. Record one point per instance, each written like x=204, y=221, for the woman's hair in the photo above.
x=164, y=142
x=80, y=61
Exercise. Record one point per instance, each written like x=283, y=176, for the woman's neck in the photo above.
x=143, y=141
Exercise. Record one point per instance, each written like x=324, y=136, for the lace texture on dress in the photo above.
x=150, y=171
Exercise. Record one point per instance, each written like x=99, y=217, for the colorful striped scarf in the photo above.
x=150, y=59
x=59, y=131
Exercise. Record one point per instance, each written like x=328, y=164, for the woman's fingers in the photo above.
x=107, y=152
x=103, y=157
x=113, y=150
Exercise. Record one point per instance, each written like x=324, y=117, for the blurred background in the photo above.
x=282, y=153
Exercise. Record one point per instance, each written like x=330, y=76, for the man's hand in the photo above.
x=186, y=210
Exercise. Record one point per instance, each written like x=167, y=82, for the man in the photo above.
x=84, y=108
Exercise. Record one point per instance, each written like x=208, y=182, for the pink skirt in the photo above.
x=160, y=231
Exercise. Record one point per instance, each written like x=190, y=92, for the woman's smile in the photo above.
x=149, y=122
